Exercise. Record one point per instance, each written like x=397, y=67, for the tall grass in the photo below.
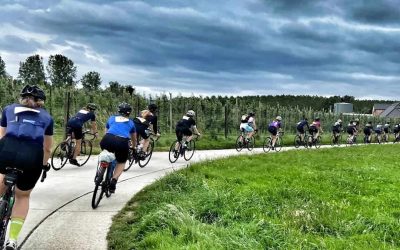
x=341, y=198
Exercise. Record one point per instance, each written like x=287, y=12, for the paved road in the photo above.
x=60, y=214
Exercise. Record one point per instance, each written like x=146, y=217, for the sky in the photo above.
x=208, y=47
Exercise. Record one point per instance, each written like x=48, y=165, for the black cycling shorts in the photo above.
x=182, y=131
x=74, y=129
x=300, y=129
x=386, y=130
x=313, y=130
x=117, y=145
x=378, y=131
x=24, y=155
x=141, y=130
x=396, y=130
x=350, y=131
x=273, y=130
x=367, y=131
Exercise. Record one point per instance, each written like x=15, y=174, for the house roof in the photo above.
x=392, y=111
x=381, y=106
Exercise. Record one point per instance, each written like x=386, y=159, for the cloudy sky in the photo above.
x=231, y=47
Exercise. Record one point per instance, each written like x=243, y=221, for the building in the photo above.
x=379, y=108
x=393, y=111
x=343, y=107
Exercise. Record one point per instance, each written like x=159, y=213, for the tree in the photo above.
x=32, y=71
x=91, y=81
x=61, y=70
x=130, y=89
x=115, y=87
x=3, y=72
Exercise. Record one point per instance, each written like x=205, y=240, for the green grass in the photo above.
x=338, y=198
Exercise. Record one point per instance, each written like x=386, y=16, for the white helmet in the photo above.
x=190, y=113
x=339, y=121
x=279, y=118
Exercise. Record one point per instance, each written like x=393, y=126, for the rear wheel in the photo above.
x=98, y=191
x=149, y=153
x=189, y=151
x=317, y=142
x=131, y=159
x=86, y=152
x=239, y=143
x=267, y=144
x=174, y=154
x=3, y=222
x=278, y=144
x=250, y=143
x=297, y=141
x=334, y=140
x=60, y=156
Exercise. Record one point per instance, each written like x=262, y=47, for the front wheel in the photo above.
x=239, y=143
x=317, y=142
x=267, y=144
x=3, y=222
x=60, y=156
x=250, y=143
x=278, y=144
x=86, y=152
x=174, y=154
x=189, y=151
x=149, y=152
x=297, y=141
x=131, y=159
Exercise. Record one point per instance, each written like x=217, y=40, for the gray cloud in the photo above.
x=240, y=46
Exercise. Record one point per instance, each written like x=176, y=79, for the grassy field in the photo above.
x=339, y=198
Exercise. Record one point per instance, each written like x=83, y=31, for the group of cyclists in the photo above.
x=26, y=139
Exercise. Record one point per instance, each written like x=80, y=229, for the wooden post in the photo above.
x=226, y=122
x=170, y=112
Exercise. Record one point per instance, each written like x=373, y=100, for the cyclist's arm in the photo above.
x=2, y=131
x=133, y=139
x=94, y=127
x=194, y=128
x=47, y=143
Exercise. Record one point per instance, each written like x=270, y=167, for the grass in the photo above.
x=338, y=198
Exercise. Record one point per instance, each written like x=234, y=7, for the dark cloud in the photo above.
x=16, y=44
x=380, y=12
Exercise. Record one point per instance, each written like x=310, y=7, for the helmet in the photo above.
x=339, y=121
x=152, y=107
x=316, y=118
x=190, y=113
x=91, y=106
x=124, y=108
x=252, y=114
x=34, y=91
x=279, y=118
x=357, y=120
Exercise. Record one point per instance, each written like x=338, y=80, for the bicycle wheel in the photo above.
x=333, y=140
x=149, y=153
x=278, y=144
x=250, y=143
x=317, y=142
x=239, y=143
x=3, y=222
x=297, y=141
x=86, y=152
x=98, y=194
x=174, y=154
x=189, y=151
x=130, y=161
x=267, y=144
x=60, y=156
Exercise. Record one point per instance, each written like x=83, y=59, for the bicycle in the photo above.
x=244, y=141
x=367, y=139
x=396, y=137
x=385, y=137
x=65, y=151
x=186, y=152
x=102, y=183
x=351, y=140
x=299, y=142
x=316, y=142
x=378, y=138
x=267, y=145
x=336, y=139
x=7, y=201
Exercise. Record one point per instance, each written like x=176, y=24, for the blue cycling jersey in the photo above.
x=81, y=117
x=30, y=124
x=120, y=126
x=302, y=123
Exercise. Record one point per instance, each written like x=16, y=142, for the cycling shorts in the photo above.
x=351, y=131
x=313, y=130
x=246, y=127
x=273, y=130
x=378, y=131
x=75, y=130
x=24, y=155
x=396, y=130
x=117, y=145
x=300, y=129
x=367, y=131
x=386, y=130
x=142, y=130
x=182, y=131
x=335, y=129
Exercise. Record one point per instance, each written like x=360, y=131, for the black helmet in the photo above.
x=252, y=113
x=34, y=91
x=124, y=108
x=317, y=118
x=152, y=107
x=91, y=106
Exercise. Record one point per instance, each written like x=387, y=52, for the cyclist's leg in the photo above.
x=78, y=139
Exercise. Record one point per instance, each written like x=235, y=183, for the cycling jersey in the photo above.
x=302, y=123
x=25, y=123
x=186, y=122
x=276, y=124
x=120, y=126
x=142, y=126
x=153, y=120
x=81, y=117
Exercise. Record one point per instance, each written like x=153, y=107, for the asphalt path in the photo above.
x=60, y=214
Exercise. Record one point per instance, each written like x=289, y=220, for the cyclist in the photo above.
x=368, y=131
x=352, y=131
x=74, y=127
x=142, y=124
x=119, y=130
x=337, y=128
x=274, y=127
x=300, y=127
x=378, y=130
x=26, y=134
x=396, y=130
x=386, y=130
x=153, y=120
x=186, y=127
x=247, y=124
x=315, y=129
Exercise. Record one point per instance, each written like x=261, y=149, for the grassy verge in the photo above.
x=340, y=198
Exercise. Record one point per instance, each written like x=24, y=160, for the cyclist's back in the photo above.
x=301, y=124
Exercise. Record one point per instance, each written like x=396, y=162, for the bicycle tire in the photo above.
x=86, y=152
x=149, y=153
x=4, y=222
x=172, y=155
x=239, y=143
x=189, y=151
x=297, y=141
x=98, y=183
x=333, y=140
x=250, y=143
x=60, y=154
x=267, y=144
x=278, y=144
x=130, y=161
x=317, y=143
